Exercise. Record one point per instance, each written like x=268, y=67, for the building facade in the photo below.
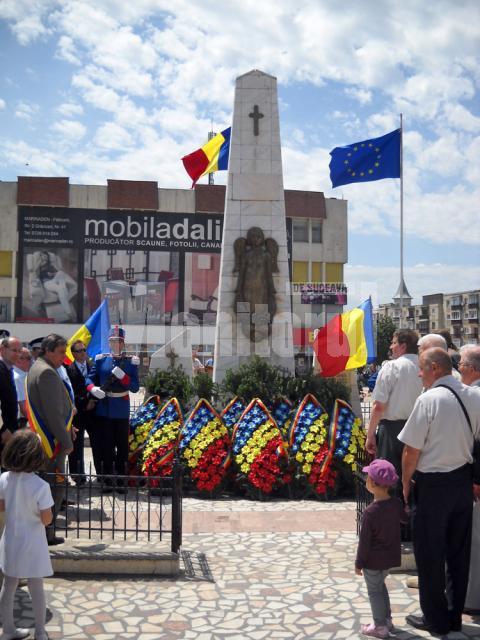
x=456, y=312
x=154, y=253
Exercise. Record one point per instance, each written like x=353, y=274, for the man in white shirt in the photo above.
x=396, y=389
x=438, y=449
x=20, y=371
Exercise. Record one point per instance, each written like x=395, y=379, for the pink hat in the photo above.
x=382, y=472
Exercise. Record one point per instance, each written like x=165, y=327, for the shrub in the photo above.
x=257, y=378
x=172, y=382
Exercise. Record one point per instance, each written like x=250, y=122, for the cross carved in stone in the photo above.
x=256, y=115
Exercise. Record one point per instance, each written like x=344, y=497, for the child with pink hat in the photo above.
x=379, y=547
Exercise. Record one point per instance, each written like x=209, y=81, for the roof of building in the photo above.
x=402, y=291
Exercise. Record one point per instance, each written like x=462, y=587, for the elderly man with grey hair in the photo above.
x=469, y=366
x=430, y=341
x=438, y=449
x=436, y=341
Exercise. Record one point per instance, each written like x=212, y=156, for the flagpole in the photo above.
x=401, y=222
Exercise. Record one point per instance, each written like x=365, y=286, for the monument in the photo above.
x=254, y=314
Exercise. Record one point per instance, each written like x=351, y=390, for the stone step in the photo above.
x=120, y=558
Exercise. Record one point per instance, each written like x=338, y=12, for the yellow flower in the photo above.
x=299, y=457
x=309, y=457
x=309, y=437
x=306, y=468
x=244, y=468
x=349, y=458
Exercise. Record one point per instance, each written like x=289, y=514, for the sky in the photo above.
x=122, y=90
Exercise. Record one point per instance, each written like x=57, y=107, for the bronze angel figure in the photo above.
x=255, y=263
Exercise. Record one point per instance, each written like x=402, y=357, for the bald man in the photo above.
x=438, y=450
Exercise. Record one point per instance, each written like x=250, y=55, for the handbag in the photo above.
x=476, y=443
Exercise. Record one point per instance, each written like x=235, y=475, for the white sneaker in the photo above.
x=18, y=634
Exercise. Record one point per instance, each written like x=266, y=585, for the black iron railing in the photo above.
x=119, y=507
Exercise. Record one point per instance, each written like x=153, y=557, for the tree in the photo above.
x=385, y=331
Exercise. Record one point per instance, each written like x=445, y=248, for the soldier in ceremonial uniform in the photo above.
x=110, y=380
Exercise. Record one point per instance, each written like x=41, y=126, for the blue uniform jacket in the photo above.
x=115, y=405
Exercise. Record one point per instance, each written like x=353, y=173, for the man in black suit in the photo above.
x=78, y=371
x=10, y=349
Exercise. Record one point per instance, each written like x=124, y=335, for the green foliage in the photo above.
x=257, y=378
x=205, y=387
x=326, y=390
x=385, y=331
x=170, y=383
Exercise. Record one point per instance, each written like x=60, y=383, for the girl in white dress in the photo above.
x=27, y=501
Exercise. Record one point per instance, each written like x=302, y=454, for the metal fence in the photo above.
x=363, y=497
x=131, y=508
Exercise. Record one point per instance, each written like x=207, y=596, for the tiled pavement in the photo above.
x=291, y=578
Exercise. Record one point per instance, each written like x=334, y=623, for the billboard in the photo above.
x=153, y=267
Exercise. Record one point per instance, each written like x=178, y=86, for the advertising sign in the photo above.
x=154, y=266
x=321, y=292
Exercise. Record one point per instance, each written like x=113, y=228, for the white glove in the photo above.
x=97, y=393
x=135, y=360
x=118, y=373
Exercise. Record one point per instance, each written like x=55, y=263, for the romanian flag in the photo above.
x=213, y=156
x=94, y=333
x=346, y=342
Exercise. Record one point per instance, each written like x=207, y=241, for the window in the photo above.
x=5, y=310
x=456, y=315
x=300, y=230
x=5, y=264
x=300, y=271
x=316, y=231
x=334, y=272
x=316, y=272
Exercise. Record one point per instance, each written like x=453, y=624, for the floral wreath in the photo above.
x=258, y=449
x=161, y=441
x=309, y=445
x=204, y=446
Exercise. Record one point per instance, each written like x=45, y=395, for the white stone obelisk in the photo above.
x=254, y=198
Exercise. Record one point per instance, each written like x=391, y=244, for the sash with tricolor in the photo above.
x=50, y=444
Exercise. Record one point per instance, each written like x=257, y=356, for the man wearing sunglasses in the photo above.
x=84, y=419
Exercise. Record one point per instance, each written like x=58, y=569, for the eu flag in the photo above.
x=365, y=161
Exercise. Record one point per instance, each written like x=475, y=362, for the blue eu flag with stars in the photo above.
x=365, y=161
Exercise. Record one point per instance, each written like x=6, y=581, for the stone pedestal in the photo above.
x=254, y=198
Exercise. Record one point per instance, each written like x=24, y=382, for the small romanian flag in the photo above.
x=346, y=342
x=213, y=156
x=94, y=333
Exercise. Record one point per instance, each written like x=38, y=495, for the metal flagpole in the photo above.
x=401, y=221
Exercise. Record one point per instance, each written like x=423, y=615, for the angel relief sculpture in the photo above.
x=255, y=263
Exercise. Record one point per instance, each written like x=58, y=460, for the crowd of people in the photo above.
x=424, y=423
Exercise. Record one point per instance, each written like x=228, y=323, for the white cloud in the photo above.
x=361, y=95
x=67, y=51
x=26, y=110
x=69, y=109
x=112, y=136
x=3, y=104
x=459, y=117
x=26, y=18
x=70, y=129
